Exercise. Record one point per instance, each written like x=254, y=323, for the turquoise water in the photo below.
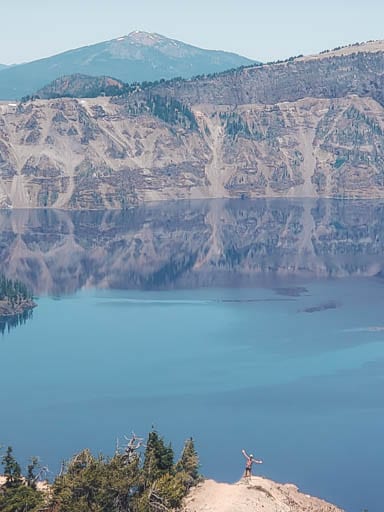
x=234, y=368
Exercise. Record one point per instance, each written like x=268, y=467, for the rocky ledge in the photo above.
x=253, y=494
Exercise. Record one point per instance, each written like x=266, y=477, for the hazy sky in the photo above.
x=264, y=30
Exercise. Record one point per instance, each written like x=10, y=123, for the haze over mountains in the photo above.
x=137, y=57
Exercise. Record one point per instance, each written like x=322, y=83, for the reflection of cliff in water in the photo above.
x=188, y=244
x=9, y=322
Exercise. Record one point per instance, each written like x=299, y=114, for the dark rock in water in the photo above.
x=250, y=301
x=12, y=315
x=322, y=307
x=294, y=291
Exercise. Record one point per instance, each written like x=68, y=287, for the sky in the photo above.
x=262, y=30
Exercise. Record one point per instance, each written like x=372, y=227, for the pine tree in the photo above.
x=158, y=458
x=12, y=469
x=17, y=496
x=189, y=461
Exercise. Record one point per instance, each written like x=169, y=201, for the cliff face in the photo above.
x=90, y=154
x=308, y=128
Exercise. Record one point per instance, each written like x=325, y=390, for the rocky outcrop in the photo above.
x=310, y=127
x=255, y=493
x=8, y=308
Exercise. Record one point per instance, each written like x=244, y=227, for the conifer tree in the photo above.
x=89, y=483
x=17, y=496
x=158, y=458
x=12, y=469
x=189, y=461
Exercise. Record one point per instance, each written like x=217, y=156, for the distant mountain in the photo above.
x=139, y=56
x=81, y=86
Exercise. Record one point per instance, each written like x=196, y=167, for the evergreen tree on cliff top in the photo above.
x=18, y=493
x=120, y=483
x=158, y=458
x=189, y=461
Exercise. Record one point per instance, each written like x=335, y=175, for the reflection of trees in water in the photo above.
x=9, y=322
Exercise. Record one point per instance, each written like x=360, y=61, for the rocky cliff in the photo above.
x=304, y=128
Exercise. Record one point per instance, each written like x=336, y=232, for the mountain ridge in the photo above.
x=137, y=57
x=277, y=81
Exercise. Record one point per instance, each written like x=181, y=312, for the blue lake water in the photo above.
x=304, y=391
x=234, y=367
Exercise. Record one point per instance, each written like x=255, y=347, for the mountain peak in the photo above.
x=136, y=57
x=144, y=38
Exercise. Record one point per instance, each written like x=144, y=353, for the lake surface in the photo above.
x=246, y=324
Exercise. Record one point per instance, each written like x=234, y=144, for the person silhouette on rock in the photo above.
x=249, y=462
